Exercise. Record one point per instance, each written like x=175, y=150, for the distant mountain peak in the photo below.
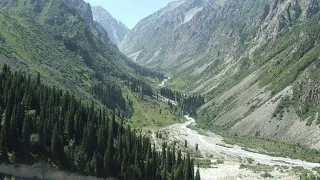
x=115, y=28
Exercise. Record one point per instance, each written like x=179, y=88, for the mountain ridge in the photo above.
x=60, y=41
x=116, y=29
x=246, y=57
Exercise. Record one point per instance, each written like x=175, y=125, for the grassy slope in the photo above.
x=59, y=38
x=273, y=148
x=36, y=47
x=147, y=111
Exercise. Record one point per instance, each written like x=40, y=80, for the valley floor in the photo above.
x=217, y=160
x=228, y=161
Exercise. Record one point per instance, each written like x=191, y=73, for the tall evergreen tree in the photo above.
x=26, y=133
x=178, y=173
x=3, y=143
x=13, y=135
x=108, y=159
x=187, y=165
x=55, y=142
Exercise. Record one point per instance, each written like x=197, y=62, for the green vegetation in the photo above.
x=50, y=124
x=250, y=160
x=110, y=95
x=150, y=112
x=275, y=148
x=257, y=168
x=181, y=82
x=188, y=104
x=286, y=70
x=74, y=56
x=272, y=148
x=282, y=62
x=266, y=175
x=39, y=38
x=203, y=163
x=58, y=44
x=283, y=106
x=219, y=161
x=306, y=176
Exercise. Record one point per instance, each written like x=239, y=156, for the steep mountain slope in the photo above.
x=60, y=40
x=74, y=114
x=162, y=36
x=255, y=61
x=116, y=29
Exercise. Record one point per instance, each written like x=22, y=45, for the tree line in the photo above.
x=139, y=86
x=144, y=71
x=110, y=95
x=47, y=123
x=188, y=104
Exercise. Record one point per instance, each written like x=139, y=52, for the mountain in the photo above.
x=255, y=61
x=159, y=39
x=67, y=97
x=61, y=41
x=116, y=29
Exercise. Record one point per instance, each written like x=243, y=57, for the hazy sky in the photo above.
x=130, y=12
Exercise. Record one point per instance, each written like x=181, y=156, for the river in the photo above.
x=213, y=145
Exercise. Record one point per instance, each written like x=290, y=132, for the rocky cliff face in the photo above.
x=116, y=29
x=165, y=32
x=83, y=8
x=184, y=28
x=307, y=89
x=245, y=56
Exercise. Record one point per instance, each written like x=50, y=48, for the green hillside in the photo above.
x=72, y=96
x=68, y=50
x=41, y=123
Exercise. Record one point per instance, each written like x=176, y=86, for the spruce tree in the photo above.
x=38, y=78
x=163, y=153
x=179, y=158
x=13, y=135
x=178, y=173
x=107, y=160
x=187, y=172
x=123, y=165
x=172, y=175
x=148, y=156
x=192, y=168
x=95, y=164
x=26, y=133
x=54, y=142
x=3, y=143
